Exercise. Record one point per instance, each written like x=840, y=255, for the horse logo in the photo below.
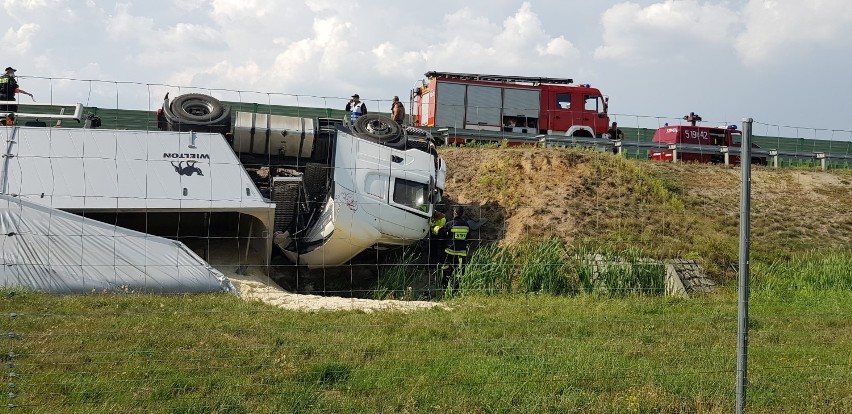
x=187, y=170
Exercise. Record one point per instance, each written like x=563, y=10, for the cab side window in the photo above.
x=563, y=100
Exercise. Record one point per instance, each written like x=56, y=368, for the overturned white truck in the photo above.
x=338, y=187
x=221, y=185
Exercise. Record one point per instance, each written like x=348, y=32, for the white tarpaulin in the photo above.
x=54, y=251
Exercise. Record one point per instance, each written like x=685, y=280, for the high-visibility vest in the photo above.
x=457, y=245
x=437, y=224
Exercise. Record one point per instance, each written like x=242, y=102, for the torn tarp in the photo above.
x=54, y=251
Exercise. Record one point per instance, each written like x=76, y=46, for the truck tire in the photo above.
x=196, y=107
x=315, y=179
x=378, y=128
x=197, y=112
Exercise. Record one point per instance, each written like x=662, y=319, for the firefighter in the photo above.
x=436, y=242
x=8, y=89
x=615, y=134
x=455, y=233
x=692, y=118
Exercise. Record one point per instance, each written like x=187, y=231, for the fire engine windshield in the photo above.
x=594, y=103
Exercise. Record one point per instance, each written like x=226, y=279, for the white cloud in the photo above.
x=11, y=6
x=20, y=40
x=668, y=28
x=777, y=28
x=469, y=42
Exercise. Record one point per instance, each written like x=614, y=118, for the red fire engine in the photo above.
x=519, y=104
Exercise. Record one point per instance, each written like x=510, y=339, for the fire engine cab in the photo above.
x=518, y=104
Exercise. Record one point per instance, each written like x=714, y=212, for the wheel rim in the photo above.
x=378, y=127
x=198, y=108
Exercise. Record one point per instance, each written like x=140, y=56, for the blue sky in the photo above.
x=781, y=62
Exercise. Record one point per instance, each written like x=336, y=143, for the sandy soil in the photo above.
x=261, y=288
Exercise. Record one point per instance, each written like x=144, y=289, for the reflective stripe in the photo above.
x=455, y=252
x=460, y=233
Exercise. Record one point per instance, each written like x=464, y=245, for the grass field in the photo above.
x=505, y=353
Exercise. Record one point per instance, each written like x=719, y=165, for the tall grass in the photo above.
x=807, y=272
x=397, y=281
x=551, y=267
x=488, y=272
x=544, y=268
x=618, y=273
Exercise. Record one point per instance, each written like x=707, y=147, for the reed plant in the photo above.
x=544, y=268
x=488, y=272
x=397, y=281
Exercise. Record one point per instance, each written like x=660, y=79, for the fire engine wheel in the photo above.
x=379, y=129
x=196, y=107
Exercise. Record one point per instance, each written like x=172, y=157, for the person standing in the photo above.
x=356, y=107
x=455, y=232
x=9, y=88
x=615, y=134
x=397, y=110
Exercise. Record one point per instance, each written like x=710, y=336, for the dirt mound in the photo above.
x=667, y=210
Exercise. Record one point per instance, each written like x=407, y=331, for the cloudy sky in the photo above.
x=781, y=62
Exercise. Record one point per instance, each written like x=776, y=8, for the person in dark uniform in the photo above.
x=615, y=134
x=455, y=232
x=9, y=88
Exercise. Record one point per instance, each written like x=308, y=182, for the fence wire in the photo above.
x=593, y=282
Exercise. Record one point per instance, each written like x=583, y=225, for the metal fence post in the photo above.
x=774, y=154
x=821, y=157
x=742, y=308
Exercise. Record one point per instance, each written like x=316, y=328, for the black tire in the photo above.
x=420, y=143
x=416, y=131
x=316, y=179
x=377, y=128
x=322, y=149
x=196, y=107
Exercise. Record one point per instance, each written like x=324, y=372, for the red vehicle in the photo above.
x=698, y=135
x=526, y=105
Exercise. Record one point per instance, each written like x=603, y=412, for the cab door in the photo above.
x=558, y=110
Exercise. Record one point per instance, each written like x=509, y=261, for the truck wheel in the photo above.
x=316, y=179
x=377, y=128
x=196, y=107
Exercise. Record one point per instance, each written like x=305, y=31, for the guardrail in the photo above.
x=604, y=144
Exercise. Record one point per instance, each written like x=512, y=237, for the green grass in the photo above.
x=810, y=273
x=518, y=353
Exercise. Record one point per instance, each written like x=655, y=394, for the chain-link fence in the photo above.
x=571, y=279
